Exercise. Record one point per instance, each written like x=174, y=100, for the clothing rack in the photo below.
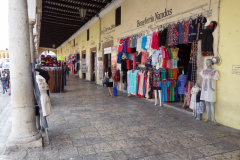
x=167, y=23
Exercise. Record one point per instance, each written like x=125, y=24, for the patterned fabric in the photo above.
x=170, y=74
x=149, y=62
x=170, y=53
x=194, y=61
x=182, y=80
x=156, y=78
x=197, y=28
x=175, y=72
x=144, y=57
x=172, y=91
x=149, y=42
x=186, y=31
x=169, y=64
x=174, y=63
x=200, y=107
x=190, y=32
x=139, y=44
x=170, y=36
x=175, y=35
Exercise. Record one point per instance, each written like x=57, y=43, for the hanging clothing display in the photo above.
x=155, y=43
x=144, y=42
x=144, y=57
x=164, y=90
x=180, y=30
x=156, y=79
x=207, y=39
x=174, y=51
x=175, y=35
x=139, y=44
x=149, y=42
x=197, y=28
x=162, y=37
x=186, y=31
x=120, y=47
x=209, y=85
x=170, y=36
x=182, y=80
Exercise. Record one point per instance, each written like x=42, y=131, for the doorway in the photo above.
x=93, y=66
x=107, y=60
x=84, y=57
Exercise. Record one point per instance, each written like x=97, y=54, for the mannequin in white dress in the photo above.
x=193, y=103
x=208, y=93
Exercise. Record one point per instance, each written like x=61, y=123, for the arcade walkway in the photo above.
x=89, y=125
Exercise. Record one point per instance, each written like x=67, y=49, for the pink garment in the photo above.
x=134, y=59
x=169, y=64
x=144, y=57
x=155, y=40
x=190, y=85
x=163, y=52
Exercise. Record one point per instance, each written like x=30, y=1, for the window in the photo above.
x=118, y=17
x=7, y=55
x=3, y=55
x=88, y=35
x=73, y=42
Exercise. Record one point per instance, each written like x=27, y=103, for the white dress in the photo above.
x=139, y=44
x=209, y=85
x=193, y=103
x=149, y=42
x=45, y=100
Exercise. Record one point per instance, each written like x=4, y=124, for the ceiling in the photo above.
x=61, y=19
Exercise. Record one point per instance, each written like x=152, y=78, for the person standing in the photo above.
x=4, y=81
x=64, y=73
x=108, y=74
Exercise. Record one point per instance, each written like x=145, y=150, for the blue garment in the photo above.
x=190, y=31
x=164, y=73
x=4, y=84
x=164, y=87
x=180, y=33
x=125, y=46
x=133, y=82
x=176, y=90
x=144, y=41
x=182, y=80
x=119, y=57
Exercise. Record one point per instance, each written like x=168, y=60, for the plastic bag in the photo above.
x=115, y=90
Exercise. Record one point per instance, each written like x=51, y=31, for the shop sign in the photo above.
x=236, y=69
x=152, y=18
x=107, y=29
x=83, y=65
x=100, y=66
x=108, y=50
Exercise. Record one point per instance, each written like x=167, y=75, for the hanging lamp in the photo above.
x=82, y=12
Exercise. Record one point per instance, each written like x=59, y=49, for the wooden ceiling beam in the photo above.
x=64, y=18
x=65, y=7
x=53, y=25
x=64, y=15
x=85, y=3
x=60, y=23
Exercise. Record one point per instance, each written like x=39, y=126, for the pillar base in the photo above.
x=24, y=142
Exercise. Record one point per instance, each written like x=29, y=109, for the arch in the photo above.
x=40, y=50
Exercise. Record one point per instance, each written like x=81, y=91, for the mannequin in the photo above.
x=158, y=92
x=208, y=93
x=193, y=104
x=156, y=87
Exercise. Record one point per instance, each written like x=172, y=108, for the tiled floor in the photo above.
x=89, y=125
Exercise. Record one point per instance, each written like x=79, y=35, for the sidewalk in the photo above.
x=87, y=124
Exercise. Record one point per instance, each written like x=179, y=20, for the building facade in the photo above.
x=101, y=33
x=4, y=54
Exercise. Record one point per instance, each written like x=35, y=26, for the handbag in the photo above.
x=115, y=90
x=106, y=80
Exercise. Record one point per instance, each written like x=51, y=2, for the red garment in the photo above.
x=164, y=65
x=155, y=40
x=144, y=57
x=120, y=47
x=128, y=49
x=138, y=79
x=117, y=76
x=129, y=64
x=166, y=53
x=186, y=31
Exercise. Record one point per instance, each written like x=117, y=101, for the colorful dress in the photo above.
x=164, y=73
x=175, y=35
x=186, y=31
x=209, y=85
x=172, y=90
x=170, y=36
x=164, y=90
x=156, y=79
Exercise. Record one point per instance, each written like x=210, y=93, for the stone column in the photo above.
x=31, y=26
x=24, y=132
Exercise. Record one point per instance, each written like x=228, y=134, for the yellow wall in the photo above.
x=228, y=89
x=4, y=51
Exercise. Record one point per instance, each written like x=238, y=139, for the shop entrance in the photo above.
x=93, y=66
x=107, y=60
x=84, y=57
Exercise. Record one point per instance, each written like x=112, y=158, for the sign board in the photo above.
x=236, y=69
x=83, y=65
x=108, y=50
x=114, y=59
